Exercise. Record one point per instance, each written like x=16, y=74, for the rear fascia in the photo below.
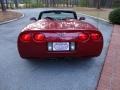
x=34, y=49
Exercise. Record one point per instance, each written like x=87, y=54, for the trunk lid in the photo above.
x=71, y=24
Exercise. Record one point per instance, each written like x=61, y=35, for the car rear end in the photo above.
x=60, y=43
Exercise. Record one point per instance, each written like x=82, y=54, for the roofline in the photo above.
x=58, y=10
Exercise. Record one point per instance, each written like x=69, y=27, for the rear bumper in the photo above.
x=40, y=50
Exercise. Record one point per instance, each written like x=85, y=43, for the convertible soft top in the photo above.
x=57, y=11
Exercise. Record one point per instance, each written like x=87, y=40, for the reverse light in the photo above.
x=50, y=46
x=95, y=36
x=39, y=37
x=72, y=46
x=26, y=37
x=83, y=37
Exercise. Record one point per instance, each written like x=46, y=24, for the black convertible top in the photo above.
x=57, y=11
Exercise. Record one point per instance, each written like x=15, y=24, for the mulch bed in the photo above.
x=9, y=15
x=101, y=13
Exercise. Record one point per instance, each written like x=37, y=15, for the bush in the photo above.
x=83, y=3
x=36, y=5
x=114, y=16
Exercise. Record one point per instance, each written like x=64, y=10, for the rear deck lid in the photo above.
x=70, y=24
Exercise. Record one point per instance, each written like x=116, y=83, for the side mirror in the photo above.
x=33, y=19
x=82, y=18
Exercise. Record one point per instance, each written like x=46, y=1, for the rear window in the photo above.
x=58, y=15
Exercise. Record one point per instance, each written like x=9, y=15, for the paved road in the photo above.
x=19, y=74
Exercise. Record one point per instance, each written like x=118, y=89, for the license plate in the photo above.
x=60, y=46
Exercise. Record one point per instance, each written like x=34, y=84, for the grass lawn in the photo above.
x=8, y=15
x=101, y=13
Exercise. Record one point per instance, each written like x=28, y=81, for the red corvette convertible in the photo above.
x=59, y=33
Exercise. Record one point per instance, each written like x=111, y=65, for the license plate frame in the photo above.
x=61, y=46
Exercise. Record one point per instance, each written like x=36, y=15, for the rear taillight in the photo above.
x=26, y=37
x=95, y=36
x=39, y=37
x=83, y=37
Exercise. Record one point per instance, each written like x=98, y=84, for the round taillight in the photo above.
x=26, y=37
x=39, y=37
x=83, y=37
x=95, y=36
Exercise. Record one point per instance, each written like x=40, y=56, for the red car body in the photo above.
x=47, y=38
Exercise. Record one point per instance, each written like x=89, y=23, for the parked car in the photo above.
x=59, y=33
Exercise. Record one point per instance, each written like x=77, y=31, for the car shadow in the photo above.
x=61, y=63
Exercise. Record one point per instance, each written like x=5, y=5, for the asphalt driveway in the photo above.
x=57, y=74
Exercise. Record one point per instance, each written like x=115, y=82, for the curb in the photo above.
x=12, y=19
x=95, y=17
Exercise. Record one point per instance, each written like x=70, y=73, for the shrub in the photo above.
x=83, y=3
x=36, y=5
x=114, y=16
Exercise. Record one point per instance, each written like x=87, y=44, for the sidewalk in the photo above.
x=110, y=76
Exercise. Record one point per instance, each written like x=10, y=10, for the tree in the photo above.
x=98, y=4
x=6, y=2
x=3, y=7
x=16, y=3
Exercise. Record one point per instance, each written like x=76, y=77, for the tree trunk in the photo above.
x=6, y=1
x=98, y=4
x=2, y=5
x=16, y=3
x=109, y=3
